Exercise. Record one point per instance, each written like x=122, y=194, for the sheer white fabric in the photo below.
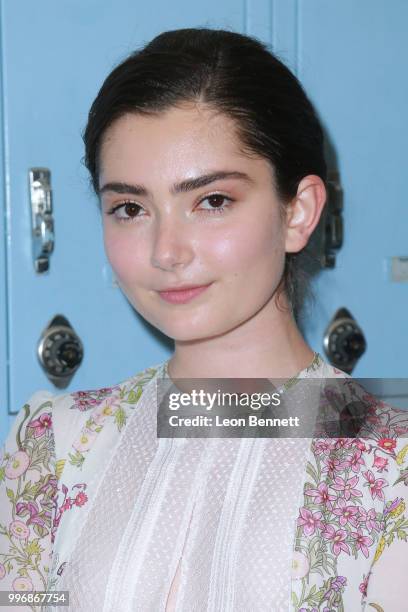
x=221, y=511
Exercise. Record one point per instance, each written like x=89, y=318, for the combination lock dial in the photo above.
x=60, y=351
x=344, y=341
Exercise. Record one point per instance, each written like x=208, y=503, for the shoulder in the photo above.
x=80, y=415
x=61, y=418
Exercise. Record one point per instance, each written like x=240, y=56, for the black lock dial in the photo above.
x=60, y=351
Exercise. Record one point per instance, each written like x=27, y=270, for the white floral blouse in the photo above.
x=92, y=502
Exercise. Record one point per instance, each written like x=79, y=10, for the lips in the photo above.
x=182, y=295
x=182, y=288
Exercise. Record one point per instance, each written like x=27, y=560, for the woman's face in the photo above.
x=227, y=232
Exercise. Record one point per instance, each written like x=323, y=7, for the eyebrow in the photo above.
x=182, y=187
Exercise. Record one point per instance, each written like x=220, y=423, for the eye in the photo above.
x=129, y=208
x=216, y=201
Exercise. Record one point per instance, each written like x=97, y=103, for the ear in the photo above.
x=303, y=212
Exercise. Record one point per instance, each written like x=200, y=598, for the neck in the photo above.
x=269, y=345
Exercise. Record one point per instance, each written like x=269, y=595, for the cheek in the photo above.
x=250, y=247
x=123, y=253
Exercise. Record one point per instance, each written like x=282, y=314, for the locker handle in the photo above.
x=43, y=238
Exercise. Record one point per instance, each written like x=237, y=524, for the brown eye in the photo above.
x=218, y=202
x=126, y=211
x=131, y=209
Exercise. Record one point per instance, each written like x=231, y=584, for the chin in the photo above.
x=185, y=333
x=184, y=329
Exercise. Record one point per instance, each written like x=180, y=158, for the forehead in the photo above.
x=184, y=139
x=185, y=121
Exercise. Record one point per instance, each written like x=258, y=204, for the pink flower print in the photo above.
x=373, y=419
x=387, y=443
x=80, y=394
x=360, y=445
x=346, y=487
x=80, y=499
x=364, y=585
x=2, y=571
x=41, y=425
x=354, y=462
x=362, y=541
x=330, y=393
x=19, y=530
x=84, y=400
x=83, y=405
x=323, y=447
x=49, y=487
x=347, y=514
x=102, y=412
x=337, y=538
x=87, y=399
x=17, y=464
x=380, y=463
x=343, y=443
x=22, y=584
x=31, y=508
x=369, y=517
x=85, y=440
x=376, y=485
x=332, y=465
x=69, y=502
x=67, y=505
x=321, y=495
x=400, y=431
x=309, y=521
x=300, y=565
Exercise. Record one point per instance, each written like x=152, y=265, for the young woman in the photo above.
x=207, y=159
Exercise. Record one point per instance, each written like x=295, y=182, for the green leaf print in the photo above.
x=120, y=418
x=134, y=396
x=76, y=459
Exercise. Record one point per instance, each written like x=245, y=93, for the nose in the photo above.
x=172, y=244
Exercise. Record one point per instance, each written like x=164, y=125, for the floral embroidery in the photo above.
x=334, y=521
x=78, y=499
x=17, y=465
x=86, y=400
x=387, y=443
x=41, y=425
x=380, y=464
x=105, y=406
x=31, y=498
